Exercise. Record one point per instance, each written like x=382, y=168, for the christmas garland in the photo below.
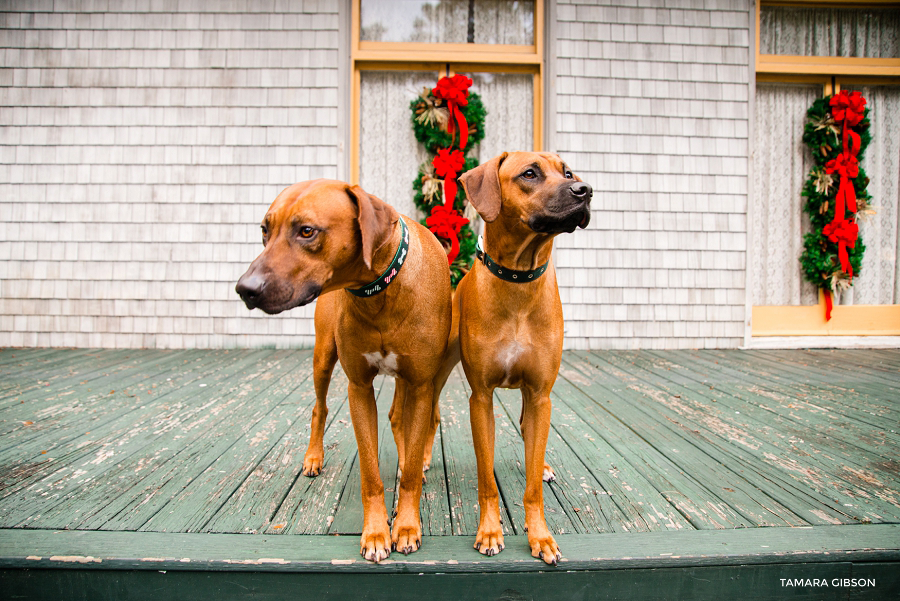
x=448, y=120
x=837, y=133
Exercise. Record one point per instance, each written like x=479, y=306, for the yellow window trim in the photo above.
x=830, y=72
x=851, y=320
x=445, y=59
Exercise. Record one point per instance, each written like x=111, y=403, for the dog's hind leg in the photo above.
x=548, y=475
x=396, y=418
x=324, y=357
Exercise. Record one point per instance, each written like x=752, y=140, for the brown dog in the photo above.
x=511, y=320
x=385, y=308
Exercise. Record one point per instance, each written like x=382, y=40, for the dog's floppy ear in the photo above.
x=482, y=186
x=376, y=220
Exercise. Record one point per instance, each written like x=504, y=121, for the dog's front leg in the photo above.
x=375, y=543
x=536, y=409
x=489, y=538
x=417, y=415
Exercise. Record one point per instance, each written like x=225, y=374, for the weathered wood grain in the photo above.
x=640, y=441
x=743, y=443
x=655, y=453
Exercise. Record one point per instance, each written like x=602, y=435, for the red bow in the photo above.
x=847, y=167
x=448, y=164
x=455, y=90
x=844, y=233
x=446, y=223
x=849, y=107
x=845, y=164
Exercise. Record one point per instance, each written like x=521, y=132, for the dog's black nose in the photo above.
x=250, y=287
x=581, y=190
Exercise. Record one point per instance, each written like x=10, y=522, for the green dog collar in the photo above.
x=380, y=283
x=510, y=275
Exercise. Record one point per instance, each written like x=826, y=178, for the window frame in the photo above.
x=446, y=59
x=830, y=72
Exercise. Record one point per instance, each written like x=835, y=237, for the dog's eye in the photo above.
x=529, y=174
x=265, y=233
x=307, y=232
x=569, y=175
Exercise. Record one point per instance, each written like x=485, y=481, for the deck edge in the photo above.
x=36, y=549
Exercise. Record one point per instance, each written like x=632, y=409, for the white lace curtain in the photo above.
x=879, y=281
x=389, y=154
x=829, y=31
x=781, y=165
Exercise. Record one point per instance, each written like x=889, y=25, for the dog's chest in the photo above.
x=386, y=364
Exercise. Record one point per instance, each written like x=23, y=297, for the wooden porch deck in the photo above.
x=148, y=473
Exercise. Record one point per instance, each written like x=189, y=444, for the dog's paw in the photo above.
x=548, y=475
x=545, y=548
x=375, y=545
x=312, y=465
x=489, y=538
x=406, y=538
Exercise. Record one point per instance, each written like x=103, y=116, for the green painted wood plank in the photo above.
x=768, y=460
x=311, y=504
x=748, y=582
x=751, y=412
x=173, y=461
x=867, y=406
x=799, y=422
x=23, y=370
x=56, y=384
x=461, y=468
x=723, y=477
x=850, y=382
x=63, y=496
x=623, y=440
x=13, y=355
x=188, y=502
x=868, y=362
x=76, y=439
x=90, y=406
x=13, y=361
x=863, y=410
x=85, y=550
x=43, y=404
x=254, y=505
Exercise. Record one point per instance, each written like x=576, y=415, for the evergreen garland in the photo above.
x=819, y=260
x=429, y=119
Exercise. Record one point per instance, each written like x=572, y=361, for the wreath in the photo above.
x=837, y=133
x=448, y=120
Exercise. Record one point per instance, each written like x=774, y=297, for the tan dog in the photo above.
x=323, y=239
x=511, y=320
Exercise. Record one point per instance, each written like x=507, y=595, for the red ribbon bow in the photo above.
x=848, y=107
x=455, y=91
x=844, y=233
x=446, y=223
x=847, y=166
x=448, y=164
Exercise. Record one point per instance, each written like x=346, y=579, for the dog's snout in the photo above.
x=250, y=287
x=581, y=190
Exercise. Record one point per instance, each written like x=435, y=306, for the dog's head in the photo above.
x=318, y=236
x=534, y=188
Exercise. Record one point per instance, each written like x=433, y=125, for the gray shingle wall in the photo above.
x=140, y=144
x=141, y=141
x=652, y=110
